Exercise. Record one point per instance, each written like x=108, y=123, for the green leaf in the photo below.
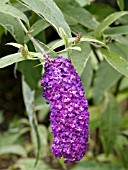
x=100, y=10
x=89, y=39
x=20, y=6
x=91, y=165
x=124, y=121
x=95, y=117
x=124, y=84
x=43, y=134
x=15, y=45
x=14, y=12
x=80, y=58
x=119, y=49
x=17, y=57
x=28, y=96
x=64, y=36
x=121, y=4
x=117, y=62
x=107, y=21
x=79, y=14
x=88, y=2
x=37, y=27
x=106, y=77
x=78, y=28
x=31, y=73
x=49, y=10
x=10, y=59
x=28, y=164
x=93, y=40
x=12, y=25
x=82, y=2
x=121, y=148
x=40, y=105
x=13, y=149
x=86, y=77
x=4, y=1
x=118, y=30
x=110, y=123
x=9, y=138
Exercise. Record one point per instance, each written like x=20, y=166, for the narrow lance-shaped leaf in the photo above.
x=83, y=39
x=49, y=10
x=118, y=30
x=110, y=123
x=17, y=57
x=82, y=2
x=10, y=59
x=80, y=58
x=28, y=96
x=28, y=164
x=31, y=73
x=77, y=13
x=92, y=165
x=11, y=24
x=14, y=12
x=37, y=27
x=4, y=1
x=121, y=4
x=106, y=77
x=121, y=148
x=107, y=21
x=64, y=36
x=13, y=149
x=117, y=62
x=86, y=77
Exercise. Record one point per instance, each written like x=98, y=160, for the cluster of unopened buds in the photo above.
x=69, y=115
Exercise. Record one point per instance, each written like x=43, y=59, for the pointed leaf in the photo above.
x=4, y=1
x=28, y=164
x=121, y=148
x=107, y=21
x=43, y=133
x=49, y=10
x=15, y=45
x=110, y=123
x=121, y=4
x=86, y=77
x=80, y=58
x=13, y=149
x=79, y=14
x=31, y=73
x=64, y=36
x=12, y=25
x=93, y=40
x=14, y=12
x=37, y=27
x=10, y=59
x=60, y=43
x=117, y=62
x=106, y=77
x=28, y=96
x=118, y=30
x=75, y=48
x=92, y=165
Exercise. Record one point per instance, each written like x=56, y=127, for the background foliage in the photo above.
x=100, y=57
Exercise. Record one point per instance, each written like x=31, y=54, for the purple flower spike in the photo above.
x=69, y=109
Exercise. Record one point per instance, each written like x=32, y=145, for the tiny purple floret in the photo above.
x=69, y=115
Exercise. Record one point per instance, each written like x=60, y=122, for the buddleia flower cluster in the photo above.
x=69, y=113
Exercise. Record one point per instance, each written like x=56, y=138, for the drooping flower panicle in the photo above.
x=69, y=113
